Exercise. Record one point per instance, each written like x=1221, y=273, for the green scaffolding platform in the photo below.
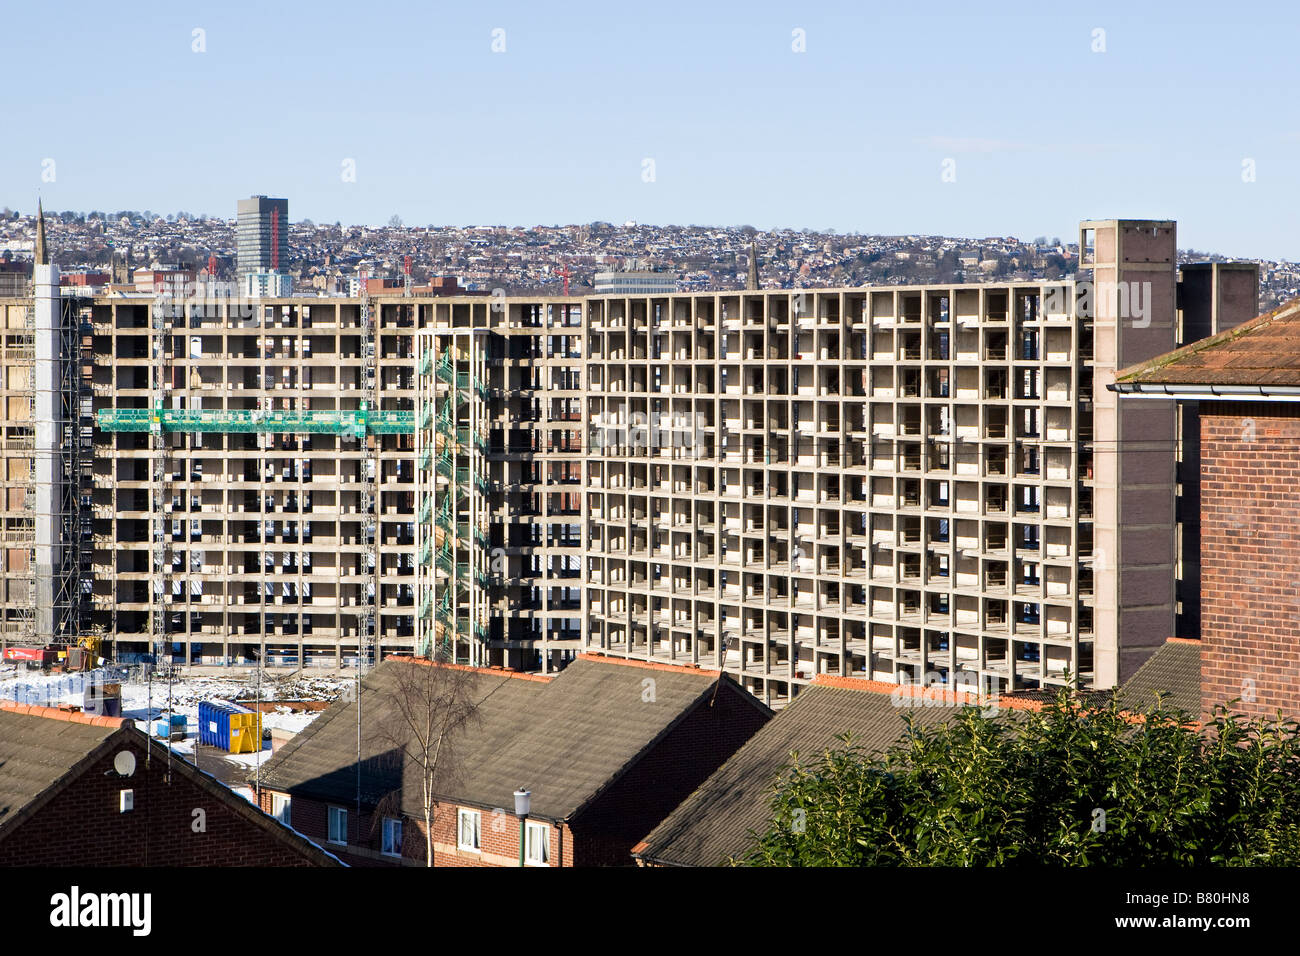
x=353, y=423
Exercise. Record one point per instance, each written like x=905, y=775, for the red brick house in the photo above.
x=85, y=791
x=607, y=748
x=1246, y=383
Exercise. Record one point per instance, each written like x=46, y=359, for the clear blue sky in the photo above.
x=850, y=134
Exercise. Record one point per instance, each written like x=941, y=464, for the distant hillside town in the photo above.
x=325, y=259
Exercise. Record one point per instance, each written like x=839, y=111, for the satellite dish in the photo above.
x=124, y=763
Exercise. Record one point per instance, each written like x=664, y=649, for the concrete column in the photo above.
x=48, y=433
x=1133, y=303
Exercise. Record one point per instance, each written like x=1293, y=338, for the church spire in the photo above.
x=42, y=253
x=751, y=282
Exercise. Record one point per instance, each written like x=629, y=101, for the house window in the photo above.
x=537, y=851
x=280, y=808
x=392, y=837
x=467, y=829
x=338, y=832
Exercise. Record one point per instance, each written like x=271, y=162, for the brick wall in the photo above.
x=82, y=826
x=498, y=836
x=1250, y=556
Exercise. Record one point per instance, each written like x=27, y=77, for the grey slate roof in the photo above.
x=320, y=761
x=35, y=752
x=714, y=824
x=584, y=730
x=565, y=740
x=1174, y=671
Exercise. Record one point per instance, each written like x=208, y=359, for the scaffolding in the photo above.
x=451, y=536
x=368, y=618
x=160, y=484
x=293, y=373
x=348, y=423
x=54, y=444
x=167, y=413
x=20, y=533
x=76, y=456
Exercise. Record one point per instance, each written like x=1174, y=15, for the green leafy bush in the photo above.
x=1067, y=785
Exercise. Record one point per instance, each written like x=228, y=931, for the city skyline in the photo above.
x=740, y=434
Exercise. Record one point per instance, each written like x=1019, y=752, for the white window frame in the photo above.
x=340, y=814
x=544, y=842
x=462, y=817
x=392, y=836
x=282, y=808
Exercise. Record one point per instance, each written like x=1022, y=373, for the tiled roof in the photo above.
x=1174, y=672
x=564, y=740
x=320, y=761
x=36, y=751
x=43, y=751
x=717, y=822
x=1264, y=351
x=1043, y=696
x=584, y=730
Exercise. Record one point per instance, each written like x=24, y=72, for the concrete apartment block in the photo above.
x=17, y=492
x=499, y=451
x=894, y=483
x=265, y=534
x=880, y=483
x=45, y=440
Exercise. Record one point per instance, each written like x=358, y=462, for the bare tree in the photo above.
x=427, y=703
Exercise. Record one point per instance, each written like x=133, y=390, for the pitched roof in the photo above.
x=320, y=761
x=717, y=822
x=564, y=739
x=588, y=727
x=1174, y=672
x=36, y=751
x=1262, y=352
x=44, y=750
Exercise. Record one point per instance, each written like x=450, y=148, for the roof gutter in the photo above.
x=1231, y=393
